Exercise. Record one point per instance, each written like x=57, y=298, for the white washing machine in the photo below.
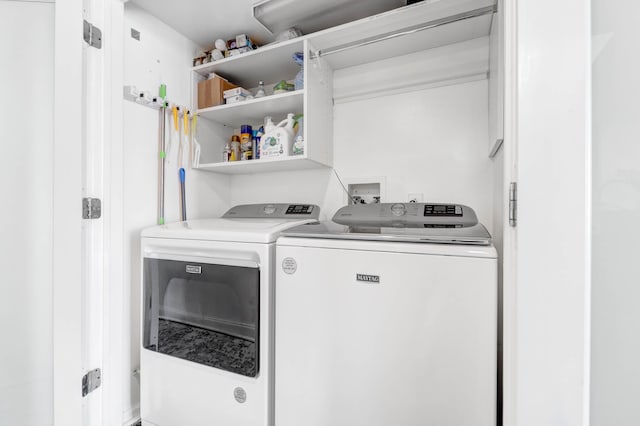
x=387, y=316
x=207, y=317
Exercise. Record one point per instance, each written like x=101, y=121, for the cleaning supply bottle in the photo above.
x=298, y=140
x=278, y=139
x=235, y=148
x=261, y=92
x=246, y=142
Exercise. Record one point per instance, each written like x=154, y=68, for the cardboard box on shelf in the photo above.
x=211, y=91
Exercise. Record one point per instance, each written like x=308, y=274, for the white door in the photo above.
x=26, y=225
x=547, y=151
x=78, y=260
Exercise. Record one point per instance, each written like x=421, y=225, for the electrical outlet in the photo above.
x=415, y=198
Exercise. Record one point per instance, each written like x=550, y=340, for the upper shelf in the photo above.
x=417, y=27
x=270, y=64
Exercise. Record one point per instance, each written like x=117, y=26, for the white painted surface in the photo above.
x=67, y=237
x=496, y=81
x=26, y=224
x=441, y=66
x=161, y=55
x=204, y=21
x=548, y=352
x=93, y=106
x=616, y=213
x=429, y=141
x=416, y=348
x=176, y=391
x=115, y=290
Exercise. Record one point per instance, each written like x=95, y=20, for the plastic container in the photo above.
x=278, y=139
x=235, y=148
x=298, y=140
x=261, y=92
x=298, y=83
x=246, y=142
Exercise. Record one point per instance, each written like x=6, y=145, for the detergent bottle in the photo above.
x=278, y=139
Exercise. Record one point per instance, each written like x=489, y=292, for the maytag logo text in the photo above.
x=368, y=278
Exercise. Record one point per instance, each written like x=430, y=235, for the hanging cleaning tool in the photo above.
x=162, y=153
x=195, y=156
x=175, y=132
x=182, y=173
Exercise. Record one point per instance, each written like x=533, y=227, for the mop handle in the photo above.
x=182, y=192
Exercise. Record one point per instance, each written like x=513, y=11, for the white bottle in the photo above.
x=278, y=139
x=260, y=93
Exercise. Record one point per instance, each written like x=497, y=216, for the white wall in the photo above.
x=161, y=56
x=430, y=138
x=616, y=214
x=430, y=141
x=26, y=118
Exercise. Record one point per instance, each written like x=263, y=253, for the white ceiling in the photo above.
x=204, y=21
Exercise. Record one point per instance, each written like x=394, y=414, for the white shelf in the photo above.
x=270, y=64
x=397, y=21
x=300, y=162
x=254, y=110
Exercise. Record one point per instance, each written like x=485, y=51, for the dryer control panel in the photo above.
x=275, y=211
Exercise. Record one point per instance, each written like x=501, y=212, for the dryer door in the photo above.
x=203, y=312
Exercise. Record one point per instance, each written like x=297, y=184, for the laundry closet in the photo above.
x=408, y=101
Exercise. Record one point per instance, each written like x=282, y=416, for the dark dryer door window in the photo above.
x=205, y=313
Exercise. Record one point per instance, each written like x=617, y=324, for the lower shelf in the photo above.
x=264, y=165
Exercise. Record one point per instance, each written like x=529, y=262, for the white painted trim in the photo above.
x=547, y=265
x=67, y=252
x=112, y=404
x=509, y=268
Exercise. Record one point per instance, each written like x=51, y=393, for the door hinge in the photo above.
x=513, y=204
x=91, y=208
x=92, y=35
x=91, y=381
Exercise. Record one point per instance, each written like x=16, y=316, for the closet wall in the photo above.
x=26, y=228
x=426, y=135
x=160, y=56
x=428, y=138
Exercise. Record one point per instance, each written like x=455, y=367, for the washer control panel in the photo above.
x=442, y=210
x=408, y=215
x=274, y=210
x=305, y=209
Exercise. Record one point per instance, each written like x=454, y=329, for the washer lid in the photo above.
x=410, y=222
x=470, y=235
x=232, y=230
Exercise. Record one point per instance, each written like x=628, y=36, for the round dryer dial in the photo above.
x=270, y=209
x=398, y=209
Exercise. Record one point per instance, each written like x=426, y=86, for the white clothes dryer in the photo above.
x=387, y=315
x=207, y=317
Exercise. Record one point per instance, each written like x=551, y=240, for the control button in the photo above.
x=299, y=209
x=398, y=209
x=269, y=209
